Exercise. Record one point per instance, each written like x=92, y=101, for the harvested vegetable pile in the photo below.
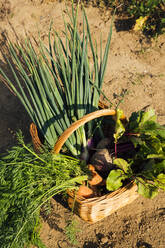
x=135, y=152
x=29, y=180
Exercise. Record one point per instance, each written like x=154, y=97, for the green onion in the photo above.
x=56, y=85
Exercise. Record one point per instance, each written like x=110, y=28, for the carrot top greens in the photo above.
x=27, y=182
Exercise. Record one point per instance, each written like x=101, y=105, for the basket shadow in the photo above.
x=62, y=201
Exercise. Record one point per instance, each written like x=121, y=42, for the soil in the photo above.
x=135, y=69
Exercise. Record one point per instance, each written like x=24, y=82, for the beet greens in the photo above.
x=146, y=162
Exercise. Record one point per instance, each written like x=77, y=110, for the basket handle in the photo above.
x=74, y=126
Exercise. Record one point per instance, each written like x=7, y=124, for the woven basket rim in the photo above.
x=75, y=125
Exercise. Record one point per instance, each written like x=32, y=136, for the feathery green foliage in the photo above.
x=27, y=182
x=58, y=85
x=71, y=231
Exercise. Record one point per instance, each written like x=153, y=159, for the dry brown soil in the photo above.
x=136, y=67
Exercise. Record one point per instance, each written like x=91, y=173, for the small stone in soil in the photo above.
x=104, y=240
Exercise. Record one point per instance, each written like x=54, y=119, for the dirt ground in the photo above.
x=136, y=69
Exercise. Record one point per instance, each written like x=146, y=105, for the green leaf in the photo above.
x=160, y=181
x=136, y=141
x=122, y=164
x=119, y=128
x=147, y=116
x=160, y=156
x=153, y=128
x=114, y=180
x=161, y=165
x=163, y=20
x=152, y=168
x=146, y=189
x=138, y=119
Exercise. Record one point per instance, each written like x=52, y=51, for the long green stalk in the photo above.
x=56, y=85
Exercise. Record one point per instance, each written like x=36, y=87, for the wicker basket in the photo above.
x=93, y=209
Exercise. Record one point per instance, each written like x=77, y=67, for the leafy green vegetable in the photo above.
x=114, y=179
x=160, y=181
x=145, y=189
x=122, y=164
x=119, y=128
x=146, y=163
x=27, y=181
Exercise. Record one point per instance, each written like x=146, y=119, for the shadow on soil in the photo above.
x=62, y=201
x=90, y=245
x=96, y=245
x=50, y=216
x=142, y=244
x=12, y=113
x=124, y=24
